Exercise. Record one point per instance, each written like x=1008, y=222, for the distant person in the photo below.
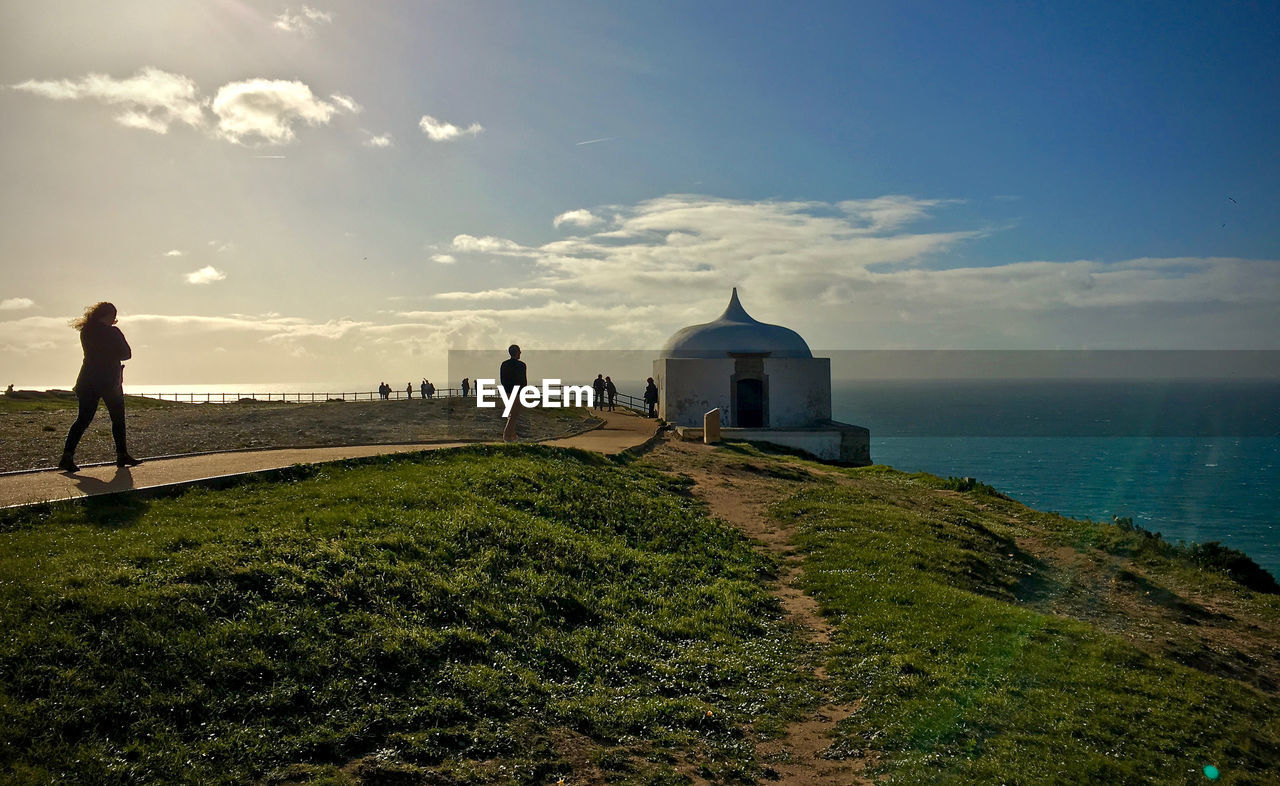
x=101, y=378
x=610, y=391
x=431, y=389
x=651, y=397
x=384, y=390
x=9, y=390
x=598, y=387
x=513, y=376
x=408, y=390
x=423, y=387
x=466, y=386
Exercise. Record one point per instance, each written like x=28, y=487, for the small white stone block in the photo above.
x=711, y=426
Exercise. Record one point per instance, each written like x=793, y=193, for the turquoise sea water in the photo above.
x=1189, y=488
x=1194, y=461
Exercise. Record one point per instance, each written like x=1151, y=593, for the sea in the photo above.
x=1195, y=460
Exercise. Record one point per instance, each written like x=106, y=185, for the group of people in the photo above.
x=606, y=392
x=426, y=388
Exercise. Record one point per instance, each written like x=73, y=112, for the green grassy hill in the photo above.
x=469, y=616
x=523, y=614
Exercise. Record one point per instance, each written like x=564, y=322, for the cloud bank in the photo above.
x=847, y=275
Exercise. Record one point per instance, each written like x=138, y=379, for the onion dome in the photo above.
x=735, y=332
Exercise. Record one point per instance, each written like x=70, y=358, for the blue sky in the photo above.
x=270, y=191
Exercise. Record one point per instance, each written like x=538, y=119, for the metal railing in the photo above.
x=297, y=398
x=624, y=400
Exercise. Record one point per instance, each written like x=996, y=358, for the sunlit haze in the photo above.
x=349, y=190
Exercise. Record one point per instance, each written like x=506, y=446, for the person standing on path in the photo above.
x=611, y=391
x=651, y=397
x=101, y=378
x=598, y=387
x=513, y=376
x=466, y=386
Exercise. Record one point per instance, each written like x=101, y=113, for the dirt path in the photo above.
x=741, y=499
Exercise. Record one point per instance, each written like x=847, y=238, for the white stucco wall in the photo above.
x=688, y=388
x=799, y=391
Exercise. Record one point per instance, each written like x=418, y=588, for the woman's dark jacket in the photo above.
x=104, y=348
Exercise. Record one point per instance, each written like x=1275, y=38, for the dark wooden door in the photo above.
x=750, y=403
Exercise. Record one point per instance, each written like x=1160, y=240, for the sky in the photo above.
x=341, y=190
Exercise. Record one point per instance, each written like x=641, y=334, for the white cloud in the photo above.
x=487, y=245
x=151, y=99
x=301, y=21
x=889, y=212
x=205, y=275
x=440, y=131
x=382, y=140
x=16, y=303
x=346, y=102
x=443, y=259
x=582, y=218
x=267, y=110
x=174, y=253
x=506, y=293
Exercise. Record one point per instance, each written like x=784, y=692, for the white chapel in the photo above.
x=764, y=380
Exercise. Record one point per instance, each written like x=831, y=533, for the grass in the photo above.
x=962, y=682
x=501, y=614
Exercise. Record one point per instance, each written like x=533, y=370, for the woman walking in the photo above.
x=101, y=378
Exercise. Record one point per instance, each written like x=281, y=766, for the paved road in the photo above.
x=621, y=430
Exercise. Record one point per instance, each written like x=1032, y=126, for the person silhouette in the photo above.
x=466, y=386
x=611, y=391
x=101, y=378
x=598, y=387
x=513, y=376
x=651, y=397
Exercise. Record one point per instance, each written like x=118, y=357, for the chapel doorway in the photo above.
x=750, y=403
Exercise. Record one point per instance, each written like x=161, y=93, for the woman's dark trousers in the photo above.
x=114, y=399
